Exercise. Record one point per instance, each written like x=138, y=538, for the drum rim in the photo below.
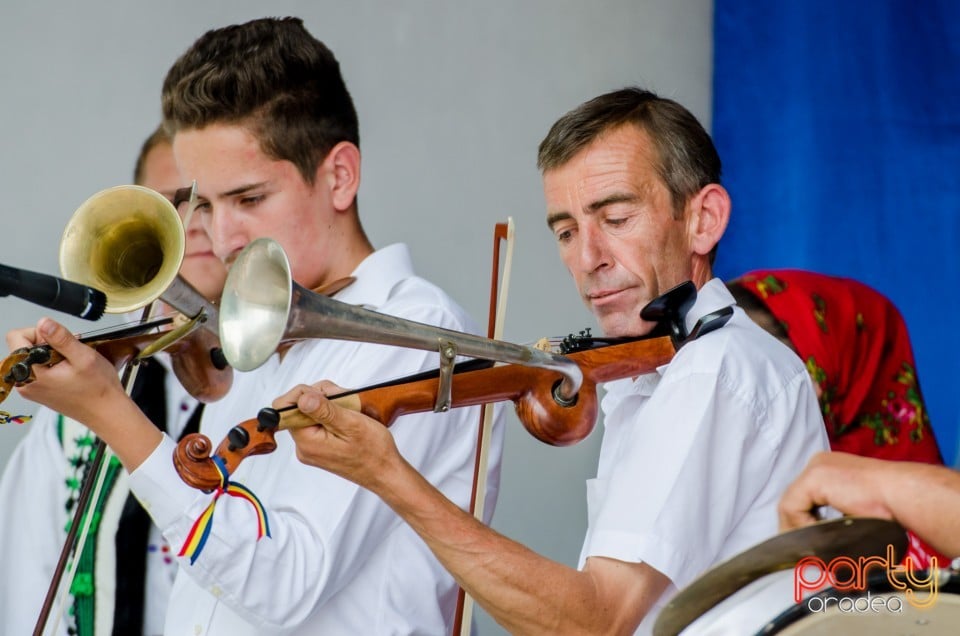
x=779, y=552
x=876, y=582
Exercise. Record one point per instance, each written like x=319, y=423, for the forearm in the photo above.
x=128, y=432
x=118, y=421
x=926, y=499
x=922, y=497
x=523, y=591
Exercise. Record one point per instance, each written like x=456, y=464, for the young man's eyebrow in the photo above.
x=243, y=189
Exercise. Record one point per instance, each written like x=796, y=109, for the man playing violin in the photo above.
x=127, y=564
x=694, y=455
x=262, y=121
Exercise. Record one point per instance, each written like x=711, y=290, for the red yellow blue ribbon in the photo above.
x=7, y=418
x=197, y=537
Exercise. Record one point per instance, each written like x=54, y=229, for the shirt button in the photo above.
x=216, y=591
x=184, y=406
x=198, y=629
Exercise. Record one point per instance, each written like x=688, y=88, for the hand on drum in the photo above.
x=924, y=498
x=852, y=484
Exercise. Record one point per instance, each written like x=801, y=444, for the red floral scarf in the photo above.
x=857, y=350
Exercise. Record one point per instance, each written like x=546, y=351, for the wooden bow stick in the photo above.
x=503, y=232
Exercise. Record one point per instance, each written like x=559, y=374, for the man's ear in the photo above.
x=341, y=172
x=709, y=214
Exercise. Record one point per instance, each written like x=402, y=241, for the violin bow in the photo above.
x=503, y=232
x=90, y=491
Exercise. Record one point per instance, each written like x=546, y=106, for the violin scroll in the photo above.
x=17, y=368
x=194, y=464
x=194, y=461
x=552, y=420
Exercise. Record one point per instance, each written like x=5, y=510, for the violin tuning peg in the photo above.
x=218, y=359
x=573, y=343
x=268, y=418
x=238, y=438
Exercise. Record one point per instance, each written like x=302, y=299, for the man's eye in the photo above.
x=251, y=200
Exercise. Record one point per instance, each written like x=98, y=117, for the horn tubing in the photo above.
x=263, y=306
x=314, y=315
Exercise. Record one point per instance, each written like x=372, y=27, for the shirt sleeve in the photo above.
x=691, y=462
x=323, y=528
x=33, y=494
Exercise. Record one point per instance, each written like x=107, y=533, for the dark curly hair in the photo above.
x=271, y=77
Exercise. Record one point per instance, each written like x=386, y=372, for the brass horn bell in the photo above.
x=128, y=241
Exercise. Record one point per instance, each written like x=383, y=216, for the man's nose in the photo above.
x=593, y=249
x=224, y=230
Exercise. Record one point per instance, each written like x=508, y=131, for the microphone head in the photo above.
x=96, y=304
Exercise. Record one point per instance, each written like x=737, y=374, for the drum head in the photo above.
x=882, y=611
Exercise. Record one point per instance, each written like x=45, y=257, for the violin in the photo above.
x=195, y=354
x=533, y=390
x=196, y=358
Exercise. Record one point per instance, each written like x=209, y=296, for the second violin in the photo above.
x=544, y=412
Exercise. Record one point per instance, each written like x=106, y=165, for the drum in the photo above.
x=882, y=609
x=740, y=595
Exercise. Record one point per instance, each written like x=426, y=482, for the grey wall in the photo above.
x=453, y=99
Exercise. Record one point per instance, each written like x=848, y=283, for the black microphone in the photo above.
x=52, y=292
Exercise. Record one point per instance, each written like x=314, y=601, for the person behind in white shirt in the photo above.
x=41, y=481
x=694, y=455
x=262, y=120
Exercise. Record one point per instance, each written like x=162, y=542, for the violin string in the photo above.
x=131, y=328
x=473, y=364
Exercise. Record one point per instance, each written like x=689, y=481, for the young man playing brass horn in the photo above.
x=262, y=120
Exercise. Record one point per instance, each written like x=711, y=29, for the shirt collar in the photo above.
x=377, y=275
x=712, y=296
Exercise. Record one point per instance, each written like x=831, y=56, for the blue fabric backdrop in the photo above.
x=839, y=127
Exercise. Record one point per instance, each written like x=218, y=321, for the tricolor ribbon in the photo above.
x=200, y=531
x=7, y=418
